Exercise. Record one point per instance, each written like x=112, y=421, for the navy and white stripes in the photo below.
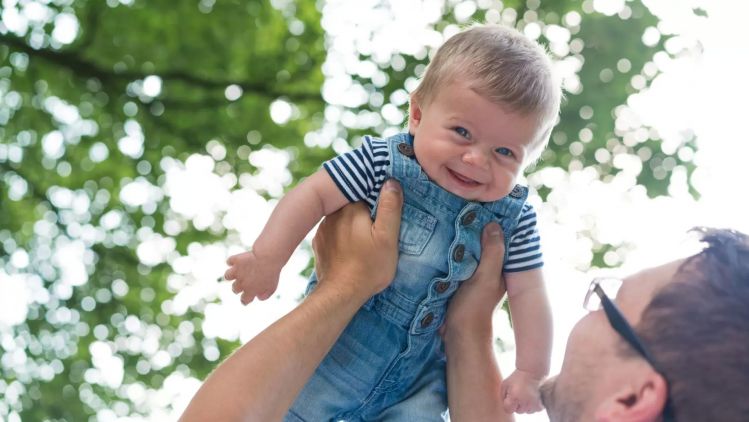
x=525, y=244
x=360, y=174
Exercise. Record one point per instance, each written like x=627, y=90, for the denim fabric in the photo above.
x=389, y=362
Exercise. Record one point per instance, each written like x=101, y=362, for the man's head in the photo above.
x=693, y=317
x=483, y=110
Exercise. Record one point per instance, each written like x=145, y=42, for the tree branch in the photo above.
x=87, y=69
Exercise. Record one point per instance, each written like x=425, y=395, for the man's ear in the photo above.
x=642, y=400
x=414, y=114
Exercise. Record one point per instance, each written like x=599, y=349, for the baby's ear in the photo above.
x=414, y=114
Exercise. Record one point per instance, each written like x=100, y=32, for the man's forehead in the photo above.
x=638, y=289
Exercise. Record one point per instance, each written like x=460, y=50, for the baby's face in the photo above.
x=469, y=145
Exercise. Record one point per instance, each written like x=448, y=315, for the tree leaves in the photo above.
x=88, y=130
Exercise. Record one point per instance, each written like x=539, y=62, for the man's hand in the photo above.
x=355, y=259
x=474, y=383
x=356, y=255
x=478, y=296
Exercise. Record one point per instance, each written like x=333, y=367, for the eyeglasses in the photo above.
x=604, y=289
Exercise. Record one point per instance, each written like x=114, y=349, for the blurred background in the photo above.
x=142, y=142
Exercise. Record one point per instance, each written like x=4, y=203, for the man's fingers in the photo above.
x=231, y=273
x=492, y=250
x=388, y=219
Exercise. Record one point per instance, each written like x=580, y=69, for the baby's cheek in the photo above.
x=496, y=192
x=504, y=183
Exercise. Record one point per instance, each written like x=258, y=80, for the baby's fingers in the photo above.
x=247, y=298
x=529, y=404
x=264, y=295
x=523, y=407
x=510, y=404
x=536, y=407
x=236, y=287
x=231, y=273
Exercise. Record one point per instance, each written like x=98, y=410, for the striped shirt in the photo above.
x=360, y=174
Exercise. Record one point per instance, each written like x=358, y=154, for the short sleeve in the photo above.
x=525, y=245
x=360, y=173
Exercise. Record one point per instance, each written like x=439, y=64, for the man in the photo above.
x=688, y=356
x=673, y=344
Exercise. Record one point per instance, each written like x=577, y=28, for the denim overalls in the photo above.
x=389, y=362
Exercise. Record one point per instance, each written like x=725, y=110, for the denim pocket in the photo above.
x=417, y=227
x=361, y=355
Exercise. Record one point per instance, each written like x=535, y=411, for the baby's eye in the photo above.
x=462, y=132
x=505, y=151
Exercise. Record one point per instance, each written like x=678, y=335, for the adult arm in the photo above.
x=355, y=259
x=474, y=383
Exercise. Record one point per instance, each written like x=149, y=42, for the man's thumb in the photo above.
x=388, y=220
x=492, y=248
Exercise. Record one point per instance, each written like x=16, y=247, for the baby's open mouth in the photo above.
x=463, y=179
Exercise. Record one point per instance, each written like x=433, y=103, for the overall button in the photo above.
x=517, y=192
x=441, y=287
x=428, y=318
x=469, y=218
x=458, y=253
x=406, y=149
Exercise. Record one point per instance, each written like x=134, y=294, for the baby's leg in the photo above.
x=347, y=376
x=322, y=399
x=425, y=401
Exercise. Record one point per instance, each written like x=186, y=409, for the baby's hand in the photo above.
x=521, y=394
x=255, y=277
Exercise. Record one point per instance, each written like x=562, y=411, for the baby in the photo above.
x=482, y=112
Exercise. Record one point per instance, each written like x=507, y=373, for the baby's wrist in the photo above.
x=531, y=375
x=268, y=257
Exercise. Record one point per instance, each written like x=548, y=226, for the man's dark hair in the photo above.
x=698, y=331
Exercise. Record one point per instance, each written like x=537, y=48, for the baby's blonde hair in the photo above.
x=503, y=66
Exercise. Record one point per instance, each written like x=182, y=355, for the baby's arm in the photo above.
x=256, y=272
x=531, y=319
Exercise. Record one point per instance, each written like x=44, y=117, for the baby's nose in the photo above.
x=475, y=158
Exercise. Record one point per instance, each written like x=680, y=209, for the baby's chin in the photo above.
x=479, y=196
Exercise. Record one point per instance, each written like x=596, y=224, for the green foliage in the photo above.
x=64, y=109
x=197, y=52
